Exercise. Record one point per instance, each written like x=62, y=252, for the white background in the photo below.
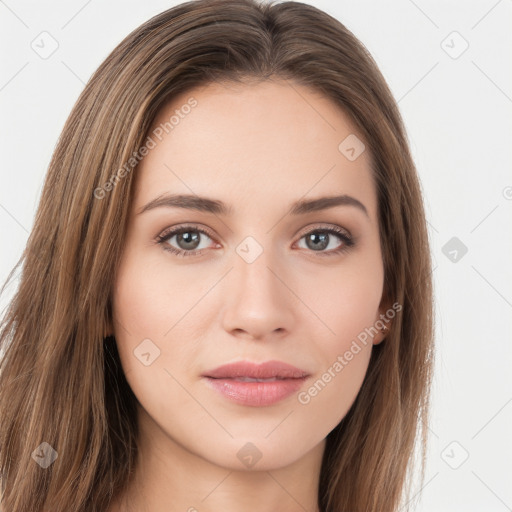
x=458, y=116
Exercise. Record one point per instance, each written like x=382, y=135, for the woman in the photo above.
x=226, y=293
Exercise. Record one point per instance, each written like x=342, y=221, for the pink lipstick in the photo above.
x=256, y=385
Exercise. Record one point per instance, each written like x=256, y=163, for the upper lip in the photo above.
x=266, y=370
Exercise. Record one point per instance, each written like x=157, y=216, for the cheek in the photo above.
x=139, y=311
x=147, y=297
x=346, y=300
x=145, y=308
x=344, y=358
x=347, y=303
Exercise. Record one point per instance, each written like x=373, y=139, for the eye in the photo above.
x=187, y=239
x=190, y=240
x=320, y=239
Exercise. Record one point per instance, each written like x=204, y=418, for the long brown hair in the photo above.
x=61, y=381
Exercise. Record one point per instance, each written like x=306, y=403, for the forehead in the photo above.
x=251, y=144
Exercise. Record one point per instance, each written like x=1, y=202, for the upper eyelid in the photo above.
x=172, y=231
x=319, y=226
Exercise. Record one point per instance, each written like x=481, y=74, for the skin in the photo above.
x=258, y=148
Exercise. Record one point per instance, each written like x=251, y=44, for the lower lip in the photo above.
x=256, y=394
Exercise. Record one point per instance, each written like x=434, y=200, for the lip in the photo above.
x=229, y=381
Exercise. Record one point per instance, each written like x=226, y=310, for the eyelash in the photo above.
x=165, y=236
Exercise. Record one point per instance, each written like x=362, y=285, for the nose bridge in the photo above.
x=259, y=302
x=254, y=275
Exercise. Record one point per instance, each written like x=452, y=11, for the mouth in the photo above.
x=249, y=379
x=256, y=385
x=257, y=371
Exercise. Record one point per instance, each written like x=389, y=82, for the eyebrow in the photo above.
x=217, y=207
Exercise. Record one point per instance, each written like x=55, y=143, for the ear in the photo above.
x=108, y=326
x=109, y=329
x=384, y=320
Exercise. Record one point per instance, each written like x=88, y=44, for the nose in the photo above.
x=259, y=303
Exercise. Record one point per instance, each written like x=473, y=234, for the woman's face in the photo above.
x=256, y=274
